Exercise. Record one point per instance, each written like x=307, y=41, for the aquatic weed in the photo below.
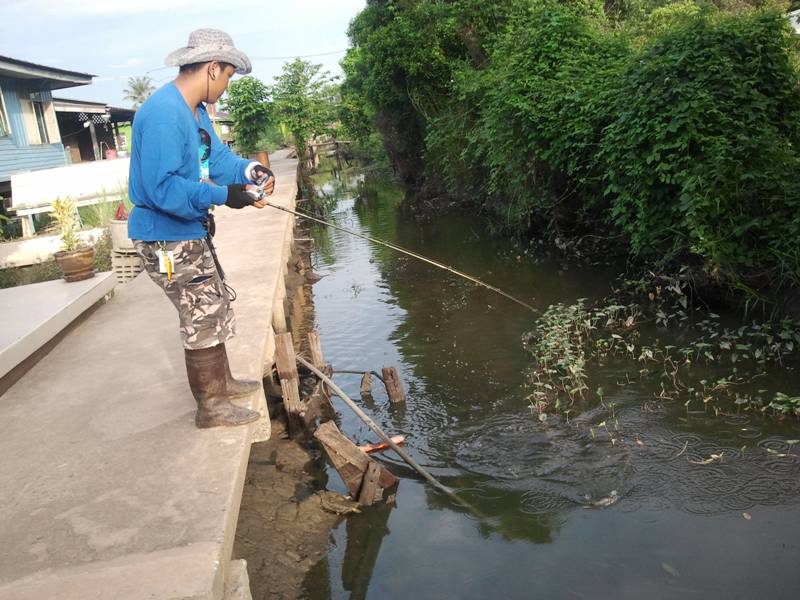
x=568, y=338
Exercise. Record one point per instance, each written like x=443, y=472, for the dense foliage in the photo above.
x=674, y=126
x=247, y=101
x=301, y=104
x=304, y=100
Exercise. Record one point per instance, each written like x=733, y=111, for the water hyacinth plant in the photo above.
x=569, y=338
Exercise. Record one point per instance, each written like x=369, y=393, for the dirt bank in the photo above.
x=284, y=524
x=286, y=514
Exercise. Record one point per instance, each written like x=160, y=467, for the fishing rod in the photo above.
x=402, y=250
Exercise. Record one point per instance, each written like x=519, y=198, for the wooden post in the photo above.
x=328, y=370
x=366, y=385
x=350, y=462
x=394, y=387
x=370, y=492
x=287, y=370
x=318, y=405
x=315, y=345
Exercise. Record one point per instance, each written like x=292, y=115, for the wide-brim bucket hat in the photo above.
x=206, y=45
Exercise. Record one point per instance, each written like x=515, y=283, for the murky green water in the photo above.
x=679, y=530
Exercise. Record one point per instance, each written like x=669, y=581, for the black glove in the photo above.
x=237, y=197
x=261, y=174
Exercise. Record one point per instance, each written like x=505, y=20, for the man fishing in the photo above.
x=179, y=171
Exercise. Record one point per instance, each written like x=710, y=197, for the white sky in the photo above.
x=115, y=39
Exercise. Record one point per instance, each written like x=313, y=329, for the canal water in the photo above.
x=666, y=527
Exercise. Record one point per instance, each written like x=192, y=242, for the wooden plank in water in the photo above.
x=284, y=356
x=287, y=370
x=394, y=387
x=350, y=462
x=366, y=384
x=318, y=405
x=371, y=491
x=315, y=345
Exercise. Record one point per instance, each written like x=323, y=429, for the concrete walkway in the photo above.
x=107, y=490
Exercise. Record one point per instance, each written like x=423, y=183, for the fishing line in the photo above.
x=411, y=253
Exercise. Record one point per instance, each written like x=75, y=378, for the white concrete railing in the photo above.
x=34, y=191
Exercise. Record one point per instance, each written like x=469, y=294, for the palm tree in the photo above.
x=139, y=90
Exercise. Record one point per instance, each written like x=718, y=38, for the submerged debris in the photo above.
x=336, y=503
x=711, y=459
x=612, y=498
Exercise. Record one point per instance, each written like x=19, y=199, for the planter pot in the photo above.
x=119, y=236
x=262, y=157
x=76, y=265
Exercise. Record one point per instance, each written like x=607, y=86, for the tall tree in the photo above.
x=304, y=100
x=247, y=103
x=138, y=90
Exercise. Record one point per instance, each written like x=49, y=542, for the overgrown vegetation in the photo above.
x=672, y=127
x=735, y=362
x=4, y=223
x=247, y=103
x=305, y=99
x=303, y=103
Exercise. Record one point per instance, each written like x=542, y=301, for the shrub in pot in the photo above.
x=74, y=259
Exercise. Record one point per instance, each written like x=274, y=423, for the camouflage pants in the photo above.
x=196, y=290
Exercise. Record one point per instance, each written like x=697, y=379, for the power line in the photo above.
x=298, y=56
x=273, y=58
x=268, y=58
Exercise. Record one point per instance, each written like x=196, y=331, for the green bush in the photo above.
x=701, y=155
x=247, y=102
x=672, y=125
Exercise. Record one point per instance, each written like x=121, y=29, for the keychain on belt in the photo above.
x=166, y=260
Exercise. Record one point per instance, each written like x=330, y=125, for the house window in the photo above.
x=4, y=130
x=38, y=111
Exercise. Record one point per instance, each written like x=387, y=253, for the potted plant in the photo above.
x=75, y=260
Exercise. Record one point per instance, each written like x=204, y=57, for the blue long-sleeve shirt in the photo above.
x=164, y=185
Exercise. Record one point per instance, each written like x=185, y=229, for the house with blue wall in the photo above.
x=29, y=134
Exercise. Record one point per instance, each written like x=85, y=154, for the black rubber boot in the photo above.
x=238, y=388
x=206, y=371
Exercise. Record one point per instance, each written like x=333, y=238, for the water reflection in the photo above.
x=365, y=533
